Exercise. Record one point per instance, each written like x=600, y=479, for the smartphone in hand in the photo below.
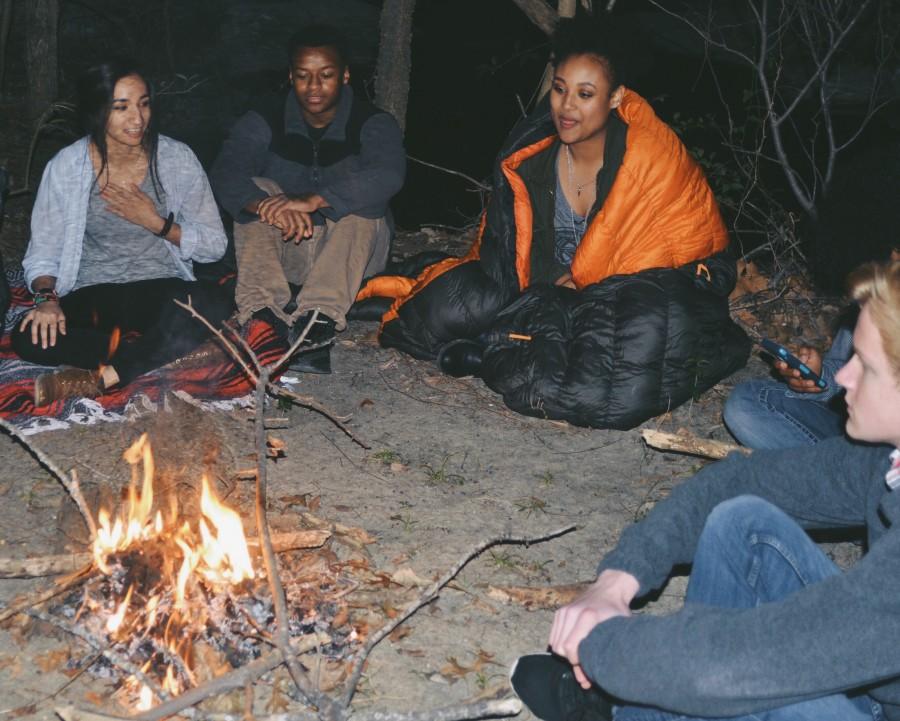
x=779, y=352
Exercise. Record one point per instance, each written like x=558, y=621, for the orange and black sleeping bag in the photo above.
x=651, y=271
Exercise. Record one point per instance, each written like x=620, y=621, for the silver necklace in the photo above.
x=571, y=168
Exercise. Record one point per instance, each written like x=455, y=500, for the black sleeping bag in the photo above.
x=619, y=351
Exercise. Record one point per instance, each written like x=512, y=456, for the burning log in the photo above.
x=37, y=566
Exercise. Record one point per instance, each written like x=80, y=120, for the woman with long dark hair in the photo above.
x=119, y=218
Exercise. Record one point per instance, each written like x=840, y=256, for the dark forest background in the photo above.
x=476, y=67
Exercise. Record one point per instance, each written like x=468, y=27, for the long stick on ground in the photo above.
x=282, y=632
x=430, y=594
x=463, y=712
x=481, y=709
x=70, y=483
x=690, y=444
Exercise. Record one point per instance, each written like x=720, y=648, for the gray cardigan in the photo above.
x=837, y=635
x=60, y=213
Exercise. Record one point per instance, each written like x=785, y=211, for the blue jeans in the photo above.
x=766, y=414
x=751, y=553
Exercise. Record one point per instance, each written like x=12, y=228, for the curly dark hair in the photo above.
x=601, y=37
x=95, y=92
x=318, y=36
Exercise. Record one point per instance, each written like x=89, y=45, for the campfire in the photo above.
x=170, y=581
x=169, y=599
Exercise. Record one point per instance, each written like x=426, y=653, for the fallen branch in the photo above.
x=685, y=443
x=429, y=595
x=38, y=566
x=70, y=483
x=478, y=710
x=282, y=635
x=35, y=599
x=482, y=709
x=545, y=597
x=463, y=712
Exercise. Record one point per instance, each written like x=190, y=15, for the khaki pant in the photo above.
x=330, y=265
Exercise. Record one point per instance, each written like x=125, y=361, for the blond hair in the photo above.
x=877, y=287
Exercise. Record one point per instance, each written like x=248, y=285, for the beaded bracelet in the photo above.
x=45, y=294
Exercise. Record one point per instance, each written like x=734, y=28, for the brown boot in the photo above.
x=68, y=383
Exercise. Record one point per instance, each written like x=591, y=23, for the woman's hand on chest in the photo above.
x=128, y=201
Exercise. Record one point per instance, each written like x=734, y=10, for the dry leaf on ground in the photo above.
x=407, y=577
x=750, y=279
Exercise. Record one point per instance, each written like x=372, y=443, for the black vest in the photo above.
x=300, y=149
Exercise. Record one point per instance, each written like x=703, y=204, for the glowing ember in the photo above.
x=145, y=699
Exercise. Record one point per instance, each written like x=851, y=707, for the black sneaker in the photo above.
x=321, y=336
x=546, y=684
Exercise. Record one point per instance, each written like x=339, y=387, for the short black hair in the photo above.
x=601, y=37
x=318, y=36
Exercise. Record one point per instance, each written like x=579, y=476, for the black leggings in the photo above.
x=166, y=331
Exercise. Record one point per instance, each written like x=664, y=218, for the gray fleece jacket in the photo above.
x=834, y=636
x=360, y=183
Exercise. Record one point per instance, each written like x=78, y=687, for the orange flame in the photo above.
x=114, y=338
x=114, y=622
x=229, y=544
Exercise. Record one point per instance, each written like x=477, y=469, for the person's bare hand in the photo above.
x=294, y=225
x=565, y=280
x=813, y=360
x=609, y=596
x=270, y=208
x=133, y=204
x=46, y=320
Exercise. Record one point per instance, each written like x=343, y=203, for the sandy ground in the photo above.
x=448, y=466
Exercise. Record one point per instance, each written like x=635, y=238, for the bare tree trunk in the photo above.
x=41, y=64
x=5, y=24
x=395, y=58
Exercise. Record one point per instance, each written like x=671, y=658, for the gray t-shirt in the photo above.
x=117, y=251
x=568, y=228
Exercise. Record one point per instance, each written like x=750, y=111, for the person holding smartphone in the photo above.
x=791, y=411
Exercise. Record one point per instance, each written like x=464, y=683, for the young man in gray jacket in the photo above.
x=771, y=629
x=307, y=179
